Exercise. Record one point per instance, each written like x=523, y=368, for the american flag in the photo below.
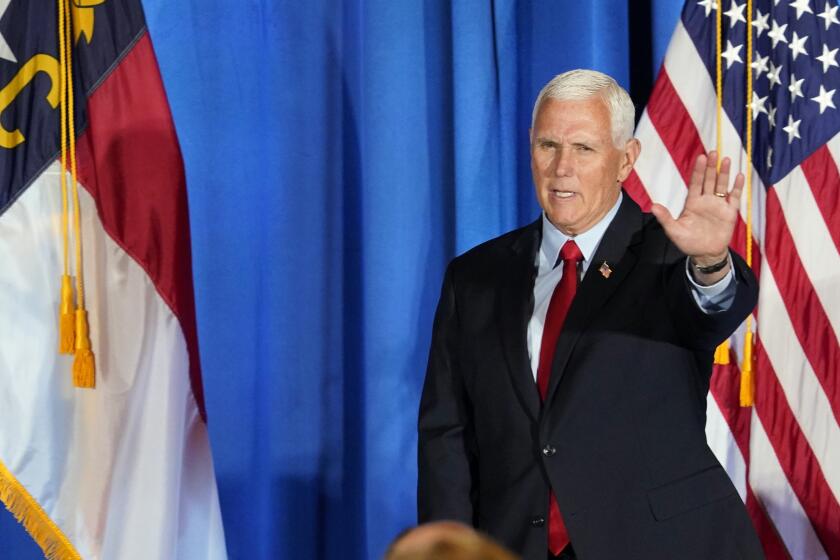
x=784, y=453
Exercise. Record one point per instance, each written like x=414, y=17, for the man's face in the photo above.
x=576, y=167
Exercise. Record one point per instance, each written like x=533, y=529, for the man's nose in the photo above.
x=562, y=163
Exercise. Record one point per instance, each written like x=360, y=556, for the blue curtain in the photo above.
x=338, y=154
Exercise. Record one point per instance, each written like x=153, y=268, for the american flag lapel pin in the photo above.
x=605, y=269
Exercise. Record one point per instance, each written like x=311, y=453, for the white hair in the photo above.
x=583, y=84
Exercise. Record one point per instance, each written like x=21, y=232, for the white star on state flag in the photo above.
x=795, y=87
x=792, y=129
x=735, y=14
x=801, y=6
x=5, y=51
x=731, y=54
x=829, y=15
x=771, y=117
x=757, y=105
x=773, y=74
x=759, y=64
x=760, y=22
x=828, y=58
x=708, y=5
x=777, y=33
x=825, y=99
x=797, y=45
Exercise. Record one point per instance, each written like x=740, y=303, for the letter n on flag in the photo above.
x=122, y=470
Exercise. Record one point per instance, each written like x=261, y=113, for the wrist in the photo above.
x=709, y=263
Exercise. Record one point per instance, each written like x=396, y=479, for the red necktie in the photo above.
x=558, y=307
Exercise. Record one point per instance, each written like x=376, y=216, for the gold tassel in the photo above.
x=84, y=368
x=722, y=353
x=66, y=321
x=747, y=379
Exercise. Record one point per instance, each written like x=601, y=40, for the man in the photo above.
x=445, y=540
x=563, y=411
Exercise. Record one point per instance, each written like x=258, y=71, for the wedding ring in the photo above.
x=720, y=194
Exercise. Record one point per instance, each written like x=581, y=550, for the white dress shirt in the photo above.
x=710, y=299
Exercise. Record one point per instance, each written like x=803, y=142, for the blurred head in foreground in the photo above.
x=445, y=540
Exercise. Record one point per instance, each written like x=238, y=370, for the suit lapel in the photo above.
x=515, y=305
x=596, y=288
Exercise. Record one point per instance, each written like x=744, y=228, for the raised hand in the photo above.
x=704, y=227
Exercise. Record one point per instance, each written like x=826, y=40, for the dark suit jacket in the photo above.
x=620, y=437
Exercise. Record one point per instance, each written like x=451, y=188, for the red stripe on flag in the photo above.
x=795, y=455
x=636, y=190
x=678, y=132
x=130, y=162
x=812, y=327
x=821, y=173
x=674, y=125
x=725, y=387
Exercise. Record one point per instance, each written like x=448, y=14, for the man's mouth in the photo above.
x=562, y=194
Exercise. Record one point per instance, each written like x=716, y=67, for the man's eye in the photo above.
x=583, y=147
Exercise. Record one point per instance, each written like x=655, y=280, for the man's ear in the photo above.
x=631, y=153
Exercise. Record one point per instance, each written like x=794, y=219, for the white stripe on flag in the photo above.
x=813, y=241
x=662, y=179
x=781, y=504
x=125, y=469
x=808, y=402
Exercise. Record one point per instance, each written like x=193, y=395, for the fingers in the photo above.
x=707, y=180
x=735, y=195
x=663, y=216
x=722, y=183
x=695, y=185
x=710, y=174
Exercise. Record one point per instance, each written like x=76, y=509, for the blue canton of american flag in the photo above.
x=795, y=74
x=783, y=454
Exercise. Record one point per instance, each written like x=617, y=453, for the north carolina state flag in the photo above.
x=123, y=470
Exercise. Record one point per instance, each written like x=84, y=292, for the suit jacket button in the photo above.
x=537, y=521
x=549, y=451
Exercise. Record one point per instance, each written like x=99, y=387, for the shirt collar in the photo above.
x=553, y=239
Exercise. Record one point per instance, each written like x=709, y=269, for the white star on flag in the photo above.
x=773, y=74
x=771, y=117
x=760, y=22
x=777, y=33
x=801, y=6
x=708, y=5
x=5, y=51
x=795, y=87
x=735, y=14
x=797, y=45
x=769, y=158
x=825, y=99
x=792, y=129
x=757, y=105
x=829, y=15
x=759, y=64
x=828, y=58
x=731, y=54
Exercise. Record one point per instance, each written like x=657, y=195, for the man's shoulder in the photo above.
x=516, y=244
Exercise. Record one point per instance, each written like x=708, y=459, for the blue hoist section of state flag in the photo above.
x=29, y=77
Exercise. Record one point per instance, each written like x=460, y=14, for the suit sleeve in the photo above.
x=704, y=331
x=446, y=450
